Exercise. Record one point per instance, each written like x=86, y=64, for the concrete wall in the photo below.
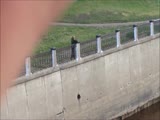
x=108, y=84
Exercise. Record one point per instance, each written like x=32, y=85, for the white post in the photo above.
x=135, y=32
x=99, y=45
x=54, y=57
x=151, y=28
x=28, y=66
x=118, y=38
x=78, y=54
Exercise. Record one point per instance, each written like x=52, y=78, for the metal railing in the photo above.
x=41, y=61
x=127, y=35
x=157, y=26
x=63, y=55
x=108, y=41
x=97, y=45
x=143, y=30
x=88, y=48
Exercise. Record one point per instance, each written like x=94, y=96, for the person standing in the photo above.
x=73, y=47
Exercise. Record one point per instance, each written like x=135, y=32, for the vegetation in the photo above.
x=97, y=11
x=60, y=36
x=104, y=11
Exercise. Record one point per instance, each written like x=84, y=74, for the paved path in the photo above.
x=100, y=25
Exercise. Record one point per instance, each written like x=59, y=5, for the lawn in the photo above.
x=96, y=11
x=104, y=11
x=59, y=36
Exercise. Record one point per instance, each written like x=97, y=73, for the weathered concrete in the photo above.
x=54, y=93
x=37, y=103
x=4, y=108
x=17, y=102
x=101, y=86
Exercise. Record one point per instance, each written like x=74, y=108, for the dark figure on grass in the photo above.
x=73, y=47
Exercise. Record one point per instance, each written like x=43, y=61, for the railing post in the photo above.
x=118, y=38
x=28, y=66
x=99, y=45
x=151, y=28
x=54, y=57
x=78, y=54
x=135, y=32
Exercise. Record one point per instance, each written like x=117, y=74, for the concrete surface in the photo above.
x=101, y=86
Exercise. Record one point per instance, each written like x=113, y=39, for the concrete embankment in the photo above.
x=100, y=86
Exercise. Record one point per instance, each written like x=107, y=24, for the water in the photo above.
x=150, y=113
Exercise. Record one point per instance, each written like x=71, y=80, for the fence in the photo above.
x=97, y=45
x=63, y=55
x=88, y=48
x=143, y=30
x=41, y=61
x=127, y=35
x=108, y=41
x=157, y=26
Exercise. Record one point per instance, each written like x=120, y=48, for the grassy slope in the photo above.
x=60, y=36
x=97, y=11
x=103, y=11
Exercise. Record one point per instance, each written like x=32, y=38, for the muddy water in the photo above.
x=150, y=113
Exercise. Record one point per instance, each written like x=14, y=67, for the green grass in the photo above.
x=104, y=11
x=97, y=11
x=60, y=36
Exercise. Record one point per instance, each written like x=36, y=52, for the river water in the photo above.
x=150, y=113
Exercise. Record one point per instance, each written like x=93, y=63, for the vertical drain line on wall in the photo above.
x=118, y=71
x=27, y=101
x=45, y=87
x=63, y=110
x=6, y=104
x=78, y=94
x=131, y=82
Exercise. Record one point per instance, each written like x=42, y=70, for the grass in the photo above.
x=97, y=11
x=104, y=11
x=60, y=36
